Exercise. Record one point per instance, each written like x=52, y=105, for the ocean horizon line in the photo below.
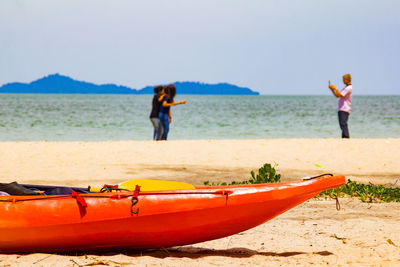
x=117, y=94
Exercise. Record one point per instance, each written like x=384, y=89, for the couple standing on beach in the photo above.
x=160, y=115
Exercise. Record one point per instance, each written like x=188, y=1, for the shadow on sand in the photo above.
x=198, y=252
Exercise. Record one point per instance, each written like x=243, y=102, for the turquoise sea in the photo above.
x=126, y=117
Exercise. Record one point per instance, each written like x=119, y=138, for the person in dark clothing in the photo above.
x=165, y=112
x=155, y=110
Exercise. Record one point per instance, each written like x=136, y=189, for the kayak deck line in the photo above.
x=108, y=195
x=124, y=193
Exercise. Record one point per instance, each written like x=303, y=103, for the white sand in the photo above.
x=312, y=233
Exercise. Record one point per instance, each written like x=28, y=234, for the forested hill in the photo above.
x=60, y=84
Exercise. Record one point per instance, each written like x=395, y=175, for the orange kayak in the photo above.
x=145, y=220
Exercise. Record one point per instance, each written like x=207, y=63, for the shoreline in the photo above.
x=196, y=140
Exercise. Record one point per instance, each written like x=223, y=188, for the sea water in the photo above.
x=28, y=117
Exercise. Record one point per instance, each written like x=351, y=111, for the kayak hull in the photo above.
x=111, y=221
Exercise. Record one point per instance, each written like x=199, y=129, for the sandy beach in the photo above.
x=312, y=233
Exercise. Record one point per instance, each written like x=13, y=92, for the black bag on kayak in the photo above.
x=64, y=191
x=16, y=189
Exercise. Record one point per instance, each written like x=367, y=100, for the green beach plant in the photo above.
x=266, y=174
x=365, y=192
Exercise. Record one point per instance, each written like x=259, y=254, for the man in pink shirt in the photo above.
x=344, y=104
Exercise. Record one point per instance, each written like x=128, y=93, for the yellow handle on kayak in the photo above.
x=150, y=185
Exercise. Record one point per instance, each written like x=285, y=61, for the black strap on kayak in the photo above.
x=337, y=189
x=110, y=188
x=315, y=177
x=337, y=199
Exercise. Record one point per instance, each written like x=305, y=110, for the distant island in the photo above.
x=60, y=84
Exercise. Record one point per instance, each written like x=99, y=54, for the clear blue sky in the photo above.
x=274, y=47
